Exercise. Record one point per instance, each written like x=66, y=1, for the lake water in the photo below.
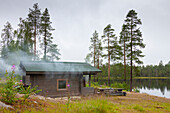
x=156, y=92
x=157, y=87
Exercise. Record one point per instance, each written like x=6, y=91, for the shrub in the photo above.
x=136, y=90
x=28, y=91
x=9, y=92
x=120, y=85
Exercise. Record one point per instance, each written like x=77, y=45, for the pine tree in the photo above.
x=23, y=34
x=7, y=39
x=135, y=44
x=45, y=30
x=34, y=21
x=112, y=47
x=93, y=48
x=123, y=40
x=99, y=55
x=53, y=53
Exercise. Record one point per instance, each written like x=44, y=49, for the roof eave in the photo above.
x=57, y=73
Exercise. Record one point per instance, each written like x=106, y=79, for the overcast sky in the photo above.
x=76, y=20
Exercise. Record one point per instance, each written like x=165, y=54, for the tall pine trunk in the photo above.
x=131, y=59
x=124, y=63
x=94, y=57
x=108, y=63
x=35, y=41
x=98, y=65
x=45, y=44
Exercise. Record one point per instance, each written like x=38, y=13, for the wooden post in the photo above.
x=89, y=80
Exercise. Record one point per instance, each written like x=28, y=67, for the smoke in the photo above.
x=14, y=58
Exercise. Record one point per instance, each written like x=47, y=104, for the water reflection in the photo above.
x=156, y=92
x=158, y=87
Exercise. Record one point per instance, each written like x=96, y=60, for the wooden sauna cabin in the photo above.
x=57, y=79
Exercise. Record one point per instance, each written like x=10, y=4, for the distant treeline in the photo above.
x=117, y=70
x=156, y=70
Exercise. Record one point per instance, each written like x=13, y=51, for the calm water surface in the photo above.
x=156, y=92
x=157, y=87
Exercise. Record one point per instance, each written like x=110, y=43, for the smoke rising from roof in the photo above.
x=13, y=58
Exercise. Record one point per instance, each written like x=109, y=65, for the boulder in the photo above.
x=5, y=106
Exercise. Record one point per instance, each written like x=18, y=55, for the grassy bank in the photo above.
x=151, y=77
x=133, y=102
x=119, y=78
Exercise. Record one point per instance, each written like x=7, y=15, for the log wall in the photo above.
x=48, y=84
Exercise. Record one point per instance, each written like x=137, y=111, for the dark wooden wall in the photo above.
x=48, y=84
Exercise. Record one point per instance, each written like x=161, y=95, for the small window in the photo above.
x=62, y=84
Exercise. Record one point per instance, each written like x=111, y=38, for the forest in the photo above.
x=118, y=56
x=32, y=40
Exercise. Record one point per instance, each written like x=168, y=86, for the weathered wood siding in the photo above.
x=48, y=84
x=87, y=91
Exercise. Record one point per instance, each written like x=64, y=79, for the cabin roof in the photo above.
x=70, y=67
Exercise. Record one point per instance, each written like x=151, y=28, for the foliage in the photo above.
x=23, y=34
x=53, y=53
x=27, y=91
x=95, y=51
x=7, y=40
x=34, y=21
x=111, y=47
x=134, y=37
x=123, y=40
x=136, y=90
x=120, y=85
x=18, y=77
x=160, y=70
x=45, y=30
x=93, y=48
x=95, y=104
x=135, y=44
x=68, y=98
x=9, y=92
x=11, y=88
x=22, y=42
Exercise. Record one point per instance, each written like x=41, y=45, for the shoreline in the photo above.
x=132, y=102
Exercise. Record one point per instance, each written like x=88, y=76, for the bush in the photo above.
x=136, y=90
x=27, y=91
x=120, y=85
x=9, y=92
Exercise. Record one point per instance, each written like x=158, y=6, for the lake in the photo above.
x=157, y=87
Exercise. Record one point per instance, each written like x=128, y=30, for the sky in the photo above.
x=76, y=20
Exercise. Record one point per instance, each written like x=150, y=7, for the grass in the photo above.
x=138, y=108
x=96, y=105
x=133, y=102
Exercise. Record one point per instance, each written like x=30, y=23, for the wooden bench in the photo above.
x=111, y=91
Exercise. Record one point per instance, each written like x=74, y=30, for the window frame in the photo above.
x=58, y=84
